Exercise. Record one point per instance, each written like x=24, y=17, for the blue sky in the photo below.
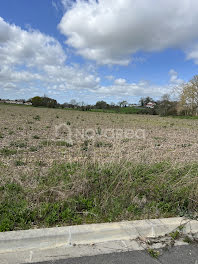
x=96, y=50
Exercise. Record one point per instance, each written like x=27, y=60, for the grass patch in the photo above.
x=34, y=148
x=37, y=117
x=185, y=117
x=100, y=144
x=46, y=143
x=62, y=144
x=19, y=163
x=56, y=143
x=77, y=193
x=153, y=253
x=8, y=152
x=36, y=137
x=40, y=163
x=18, y=144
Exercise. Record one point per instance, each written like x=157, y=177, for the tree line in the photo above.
x=186, y=103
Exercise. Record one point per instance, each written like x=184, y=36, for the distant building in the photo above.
x=133, y=105
x=18, y=102
x=151, y=105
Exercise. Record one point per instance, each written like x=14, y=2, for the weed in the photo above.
x=188, y=240
x=33, y=148
x=1, y=164
x=36, y=137
x=99, y=144
x=186, y=145
x=175, y=235
x=46, y=143
x=63, y=143
x=99, y=131
x=85, y=145
x=19, y=163
x=126, y=140
x=37, y=117
x=40, y=163
x=68, y=123
x=7, y=152
x=18, y=144
x=153, y=253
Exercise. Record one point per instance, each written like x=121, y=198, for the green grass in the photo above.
x=99, y=144
x=37, y=117
x=185, y=117
x=70, y=194
x=19, y=163
x=34, y=148
x=36, y=137
x=153, y=253
x=18, y=144
x=8, y=152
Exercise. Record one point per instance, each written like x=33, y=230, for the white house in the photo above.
x=151, y=105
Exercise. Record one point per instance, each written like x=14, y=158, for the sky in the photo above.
x=91, y=50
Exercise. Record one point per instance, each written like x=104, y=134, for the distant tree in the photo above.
x=166, y=107
x=123, y=103
x=141, y=101
x=49, y=102
x=188, y=99
x=101, y=105
x=44, y=101
x=37, y=101
x=65, y=105
x=81, y=104
x=144, y=101
x=73, y=102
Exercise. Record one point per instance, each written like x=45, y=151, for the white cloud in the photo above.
x=109, y=31
x=67, y=3
x=32, y=59
x=174, y=77
x=110, y=77
x=55, y=5
x=192, y=53
x=120, y=81
x=142, y=88
x=33, y=63
x=33, y=48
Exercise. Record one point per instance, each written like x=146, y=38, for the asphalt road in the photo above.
x=175, y=255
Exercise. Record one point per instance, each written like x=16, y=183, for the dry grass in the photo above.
x=33, y=160
x=170, y=139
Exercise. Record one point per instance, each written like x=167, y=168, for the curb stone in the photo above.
x=41, y=240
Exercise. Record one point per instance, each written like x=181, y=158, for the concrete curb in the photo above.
x=39, y=239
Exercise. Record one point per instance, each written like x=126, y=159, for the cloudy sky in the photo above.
x=92, y=50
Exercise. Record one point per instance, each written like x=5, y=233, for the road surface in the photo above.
x=175, y=255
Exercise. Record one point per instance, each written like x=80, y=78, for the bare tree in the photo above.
x=188, y=99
